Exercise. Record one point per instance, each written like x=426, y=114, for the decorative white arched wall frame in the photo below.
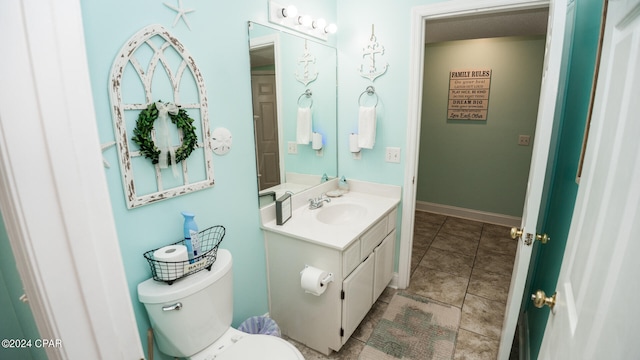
x=136, y=81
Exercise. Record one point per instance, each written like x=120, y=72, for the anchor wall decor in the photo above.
x=306, y=59
x=373, y=48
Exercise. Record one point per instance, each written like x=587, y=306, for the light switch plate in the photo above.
x=392, y=155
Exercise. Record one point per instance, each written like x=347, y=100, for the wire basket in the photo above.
x=169, y=272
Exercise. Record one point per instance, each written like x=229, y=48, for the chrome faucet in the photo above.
x=318, y=202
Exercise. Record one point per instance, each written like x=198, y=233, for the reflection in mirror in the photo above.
x=283, y=81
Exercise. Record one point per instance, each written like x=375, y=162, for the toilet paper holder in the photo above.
x=327, y=279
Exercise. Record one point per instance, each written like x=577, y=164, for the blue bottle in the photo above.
x=191, y=235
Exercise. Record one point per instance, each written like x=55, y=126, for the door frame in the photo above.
x=547, y=103
x=53, y=193
x=419, y=16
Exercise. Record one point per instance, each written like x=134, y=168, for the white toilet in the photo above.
x=192, y=318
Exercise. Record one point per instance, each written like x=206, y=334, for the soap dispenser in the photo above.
x=343, y=186
x=191, y=235
x=325, y=178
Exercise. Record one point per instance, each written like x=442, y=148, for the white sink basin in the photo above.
x=340, y=213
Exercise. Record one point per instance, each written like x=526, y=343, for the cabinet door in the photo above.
x=358, y=297
x=384, y=264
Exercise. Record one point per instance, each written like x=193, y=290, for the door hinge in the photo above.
x=341, y=332
x=341, y=294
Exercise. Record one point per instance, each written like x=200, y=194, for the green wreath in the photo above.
x=144, y=125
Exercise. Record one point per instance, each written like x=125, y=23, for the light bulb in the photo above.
x=305, y=20
x=320, y=23
x=290, y=11
x=331, y=28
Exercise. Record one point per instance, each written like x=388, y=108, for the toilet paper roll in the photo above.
x=316, y=144
x=311, y=280
x=353, y=143
x=170, y=261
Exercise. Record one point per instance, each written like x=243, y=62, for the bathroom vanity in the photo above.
x=353, y=237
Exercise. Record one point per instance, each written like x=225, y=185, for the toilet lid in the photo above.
x=264, y=347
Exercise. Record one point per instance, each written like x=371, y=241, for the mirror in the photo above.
x=288, y=73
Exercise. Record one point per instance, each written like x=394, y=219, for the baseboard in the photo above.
x=476, y=215
x=394, y=281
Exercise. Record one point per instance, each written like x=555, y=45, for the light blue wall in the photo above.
x=218, y=42
x=392, y=26
x=564, y=187
x=392, y=22
x=16, y=318
x=478, y=164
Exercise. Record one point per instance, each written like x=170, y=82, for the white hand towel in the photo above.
x=304, y=129
x=367, y=127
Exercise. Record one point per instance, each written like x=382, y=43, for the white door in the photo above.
x=265, y=120
x=597, y=314
x=537, y=170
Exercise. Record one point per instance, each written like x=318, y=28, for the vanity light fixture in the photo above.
x=289, y=17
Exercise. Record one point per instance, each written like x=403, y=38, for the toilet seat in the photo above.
x=237, y=345
x=264, y=347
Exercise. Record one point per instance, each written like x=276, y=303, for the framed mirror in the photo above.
x=294, y=93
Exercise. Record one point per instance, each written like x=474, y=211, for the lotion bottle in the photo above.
x=191, y=235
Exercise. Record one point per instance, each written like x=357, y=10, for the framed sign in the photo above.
x=469, y=94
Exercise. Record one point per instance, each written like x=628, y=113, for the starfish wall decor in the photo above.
x=181, y=13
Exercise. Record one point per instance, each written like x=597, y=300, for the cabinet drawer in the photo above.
x=370, y=239
x=351, y=258
x=391, y=220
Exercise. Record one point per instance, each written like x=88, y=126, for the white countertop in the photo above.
x=304, y=225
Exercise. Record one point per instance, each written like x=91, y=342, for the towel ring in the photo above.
x=371, y=91
x=307, y=93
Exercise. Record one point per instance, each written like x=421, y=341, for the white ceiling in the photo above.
x=513, y=23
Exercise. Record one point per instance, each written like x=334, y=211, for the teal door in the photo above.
x=563, y=186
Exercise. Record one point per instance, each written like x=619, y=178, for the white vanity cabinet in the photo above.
x=362, y=269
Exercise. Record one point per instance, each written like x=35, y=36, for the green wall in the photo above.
x=478, y=164
x=564, y=188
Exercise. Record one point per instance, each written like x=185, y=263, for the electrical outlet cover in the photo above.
x=292, y=147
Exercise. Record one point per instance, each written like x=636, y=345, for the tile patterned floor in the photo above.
x=455, y=261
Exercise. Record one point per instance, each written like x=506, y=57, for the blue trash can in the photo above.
x=260, y=325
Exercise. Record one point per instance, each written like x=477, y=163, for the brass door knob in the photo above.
x=516, y=233
x=540, y=299
x=544, y=238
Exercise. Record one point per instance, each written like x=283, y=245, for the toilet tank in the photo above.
x=206, y=310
